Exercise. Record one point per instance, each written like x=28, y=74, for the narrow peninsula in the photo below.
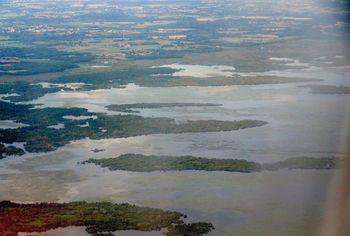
x=142, y=163
x=39, y=136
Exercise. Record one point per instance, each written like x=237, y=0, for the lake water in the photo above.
x=300, y=123
x=10, y=124
x=245, y=204
x=201, y=71
x=286, y=202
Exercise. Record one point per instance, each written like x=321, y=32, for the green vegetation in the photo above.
x=143, y=76
x=161, y=77
x=110, y=78
x=104, y=45
x=38, y=137
x=166, y=53
x=36, y=60
x=23, y=91
x=142, y=163
x=38, y=117
x=100, y=218
x=129, y=107
x=9, y=151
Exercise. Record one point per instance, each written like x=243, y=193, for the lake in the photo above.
x=299, y=124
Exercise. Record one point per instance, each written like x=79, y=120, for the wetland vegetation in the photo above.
x=47, y=45
x=142, y=163
x=162, y=77
x=99, y=218
x=6, y=151
x=39, y=137
x=37, y=59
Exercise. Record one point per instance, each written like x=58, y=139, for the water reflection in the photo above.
x=300, y=124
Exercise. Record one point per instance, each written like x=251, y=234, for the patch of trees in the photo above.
x=142, y=163
x=36, y=60
x=100, y=218
x=38, y=137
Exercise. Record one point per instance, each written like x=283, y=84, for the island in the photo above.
x=143, y=163
x=97, y=150
x=99, y=218
x=39, y=137
x=129, y=108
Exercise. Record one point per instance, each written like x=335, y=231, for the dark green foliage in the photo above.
x=142, y=163
x=166, y=54
x=10, y=150
x=25, y=91
x=192, y=229
x=107, y=79
x=37, y=117
x=40, y=138
x=143, y=76
x=36, y=60
x=41, y=52
x=108, y=16
x=100, y=218
x=149, y=77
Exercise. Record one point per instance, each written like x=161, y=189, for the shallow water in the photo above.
x=233, y=202
x=300, y=123
x=286, y=202
x=10, y=124
x=201, y=71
